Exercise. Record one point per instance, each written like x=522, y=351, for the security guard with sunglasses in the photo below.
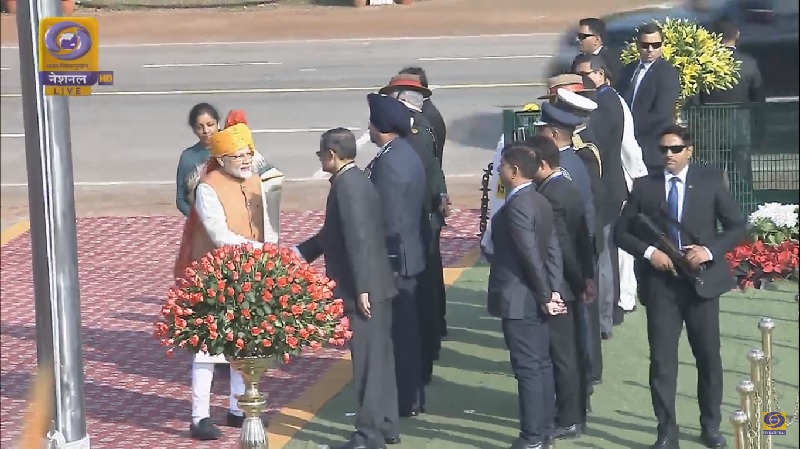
x=684, y=204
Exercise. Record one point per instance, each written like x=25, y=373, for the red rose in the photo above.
x=255, y=331
x=246, y=287
x=240, y=344
x=229, y=336
x=246, y=314
x=266, y=343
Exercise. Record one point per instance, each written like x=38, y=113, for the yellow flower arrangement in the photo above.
x=703, y=62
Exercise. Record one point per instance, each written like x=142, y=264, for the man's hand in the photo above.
x=590, y=293
x=445, y=205
x=363, y=303
x=556, y=306
x=696, y=255
x=662, y=262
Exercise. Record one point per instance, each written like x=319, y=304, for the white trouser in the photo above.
x=628, y=283
x=202, y=375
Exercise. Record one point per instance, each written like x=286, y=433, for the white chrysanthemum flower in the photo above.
x=781, y=215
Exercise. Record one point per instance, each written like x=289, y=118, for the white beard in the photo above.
x=239, y=173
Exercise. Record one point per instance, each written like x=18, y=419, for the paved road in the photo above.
x=292, y=91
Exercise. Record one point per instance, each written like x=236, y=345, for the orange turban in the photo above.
x=234, y=137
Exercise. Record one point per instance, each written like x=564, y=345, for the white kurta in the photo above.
x=211, y=213
x=633, y=168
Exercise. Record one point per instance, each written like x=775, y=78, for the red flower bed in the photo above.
x=754, y=264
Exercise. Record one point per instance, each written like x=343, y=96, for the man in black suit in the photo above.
x=524, y=290
x=749, y=87
x=737, y=123
x=400, y=178
x=687, y=202
x=591, y=34
x=606, y=123
x=408, y=89
x=578, y=261
x=437, y=126
x=651, y=88
x=352, y=241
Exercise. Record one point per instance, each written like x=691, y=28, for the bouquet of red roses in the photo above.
x=242, y=301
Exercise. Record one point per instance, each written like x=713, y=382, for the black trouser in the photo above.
x=528, y=341
x=589, y=334
x=569, y=378
x=407, y=345
x=438, y=283
x=428, y=311
x=374, y=374
x=675, y=307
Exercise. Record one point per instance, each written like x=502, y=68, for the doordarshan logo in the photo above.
x=774, y=423
x=68, y=41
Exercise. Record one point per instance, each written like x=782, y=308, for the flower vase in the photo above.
x=252, y=403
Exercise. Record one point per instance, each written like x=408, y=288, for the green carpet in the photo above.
x=472, y=402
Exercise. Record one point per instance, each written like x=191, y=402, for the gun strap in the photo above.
x=694, y=238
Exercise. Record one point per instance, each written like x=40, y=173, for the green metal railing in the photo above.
x=755, y=145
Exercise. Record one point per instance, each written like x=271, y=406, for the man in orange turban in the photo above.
x=233, y=205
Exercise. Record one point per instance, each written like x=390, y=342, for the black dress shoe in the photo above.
x=236, y=421
x=618, y=316
x=597, y=381
x=569, y=432
x=606, y=335
x=392, y=440
x=712, y=438
x=205, y=430
x=666, y=442
x=521, y=444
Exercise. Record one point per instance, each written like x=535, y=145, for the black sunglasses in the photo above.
x=647, y=45
x=582, y=36
x=675, y=149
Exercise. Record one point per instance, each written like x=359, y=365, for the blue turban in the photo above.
x=389, y=115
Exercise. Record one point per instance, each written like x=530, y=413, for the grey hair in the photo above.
x=412, y=97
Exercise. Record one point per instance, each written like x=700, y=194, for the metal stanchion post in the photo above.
x=757, y=359
x=740, y=422
x=54, y=247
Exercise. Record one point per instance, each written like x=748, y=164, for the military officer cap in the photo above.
x=574, y=103
x=389, y=115
x=552, y=115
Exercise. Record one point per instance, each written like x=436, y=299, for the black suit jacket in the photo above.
x=654, y=107
x=423, y=142
x=578, y=259
x=438, y=126
x=352, y=240
x=612, y=60
x=606, y=123
x=526, y=264
x=707, y=202
x=749, y=89
x=400, y=178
